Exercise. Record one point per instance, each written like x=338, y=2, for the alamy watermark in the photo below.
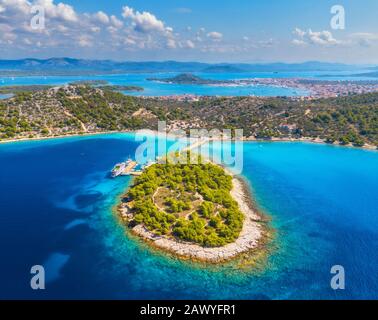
x=338, y=280
x=37, y=21
x=37, y=282
x=338, y=18
x=223, y=147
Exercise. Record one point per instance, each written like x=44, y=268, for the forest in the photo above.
x=189, y=202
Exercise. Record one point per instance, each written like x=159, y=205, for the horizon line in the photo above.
x=193, y=61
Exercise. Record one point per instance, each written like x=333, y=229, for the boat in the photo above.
x=118, y=169
x=124, y=168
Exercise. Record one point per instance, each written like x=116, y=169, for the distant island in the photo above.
x=187, y=78
x=195, y=211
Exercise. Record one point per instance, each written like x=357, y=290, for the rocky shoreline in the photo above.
x=249, y=239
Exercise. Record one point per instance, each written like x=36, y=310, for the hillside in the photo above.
x=82, y=109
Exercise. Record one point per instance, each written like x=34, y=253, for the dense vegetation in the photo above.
x=191, y=202
x=77, y=109
x=186, y=78
x=30, y=88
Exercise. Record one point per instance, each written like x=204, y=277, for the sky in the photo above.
x=191, y=30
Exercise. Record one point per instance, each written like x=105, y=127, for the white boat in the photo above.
x=118, y=169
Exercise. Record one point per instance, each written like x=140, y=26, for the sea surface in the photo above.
x=152, y=88
x=56, y=210
x=5, y=96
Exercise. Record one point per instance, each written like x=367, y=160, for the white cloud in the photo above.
x=298, y=42
x=365, y=39
x=66, y=29
x=116, y=22
x=187, y=44
x=102, y=17
x=266, y=43
x=85, y=41
x=171, y=44
x=322, y=38
x=27, y=41
x=298, y=32
x=61, y=10
x=215, y=36
x=95, y=29
x=190, y=44
x=144, y=22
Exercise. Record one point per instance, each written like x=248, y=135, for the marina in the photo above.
x=129, y=168
x=133, y=168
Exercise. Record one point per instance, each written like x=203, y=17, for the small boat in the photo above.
x=124, y=168
x=118, y=169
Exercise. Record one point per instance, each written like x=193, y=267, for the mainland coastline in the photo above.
x=81, y=110
x=174, y=136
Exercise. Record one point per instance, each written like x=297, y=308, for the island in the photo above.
x=188, y=78
x=196, y=211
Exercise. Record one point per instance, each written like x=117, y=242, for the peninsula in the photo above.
x=195, y=211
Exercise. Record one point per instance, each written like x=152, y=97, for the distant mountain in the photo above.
x=69, y=65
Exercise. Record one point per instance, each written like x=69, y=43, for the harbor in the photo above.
x=129, y=168
x=133, y=168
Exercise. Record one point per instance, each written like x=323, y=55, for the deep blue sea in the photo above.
x=56, y=201
x=152, y=88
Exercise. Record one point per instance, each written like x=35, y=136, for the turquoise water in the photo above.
x=56, y=199
x=5, y=96
x=164, y=89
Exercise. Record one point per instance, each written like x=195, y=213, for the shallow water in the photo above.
x=56, y=201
